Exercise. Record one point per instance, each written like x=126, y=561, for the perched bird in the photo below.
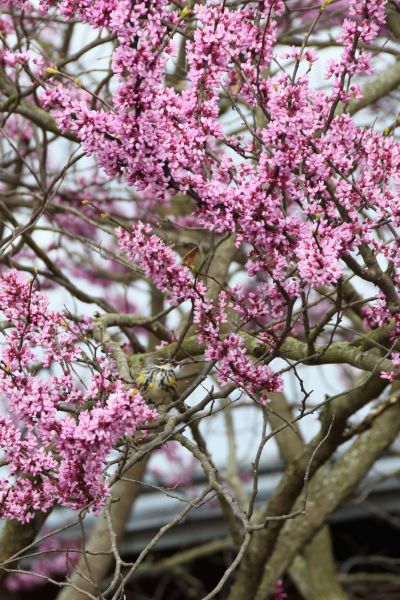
x=157, y=383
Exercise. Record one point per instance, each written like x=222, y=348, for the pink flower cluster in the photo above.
x=158, y=261
x=58, y=434
x=363, y=27
x=279, y=593
x=393, y=375
x=236, y=367
x=20, y=59
x=318, y=253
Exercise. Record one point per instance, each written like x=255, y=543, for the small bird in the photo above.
x=157, y=383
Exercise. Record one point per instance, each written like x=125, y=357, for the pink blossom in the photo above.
x=53, y=457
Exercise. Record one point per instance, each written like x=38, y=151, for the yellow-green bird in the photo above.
x=157, y=383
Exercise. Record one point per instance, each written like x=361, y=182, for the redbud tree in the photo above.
x=213, y=185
